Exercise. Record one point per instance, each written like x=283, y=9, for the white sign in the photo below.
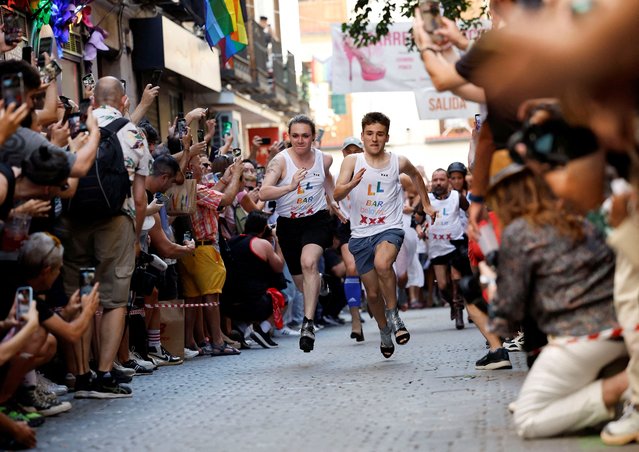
x=432, y=104
x=385, y=66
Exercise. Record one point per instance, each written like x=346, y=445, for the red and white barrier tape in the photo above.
x=178, y=305
x=611, y=333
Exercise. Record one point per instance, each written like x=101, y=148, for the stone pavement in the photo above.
x=342, y=396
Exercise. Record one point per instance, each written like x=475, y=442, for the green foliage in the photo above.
x=358, y=27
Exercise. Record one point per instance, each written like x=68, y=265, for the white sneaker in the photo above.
x=123, y=370
x=624, y=430
x=51, y=387
x=515, y=344
x=190, y=354
x=286, y=331
x=135, y=356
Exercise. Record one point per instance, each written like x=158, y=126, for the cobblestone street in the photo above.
x=342, y=396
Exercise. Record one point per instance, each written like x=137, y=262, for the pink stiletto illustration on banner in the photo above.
x=370, y=71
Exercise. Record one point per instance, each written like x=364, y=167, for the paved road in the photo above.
x=341, y=397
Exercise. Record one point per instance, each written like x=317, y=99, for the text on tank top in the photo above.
x=309, y=197
x=447, y=225
x=376, y=202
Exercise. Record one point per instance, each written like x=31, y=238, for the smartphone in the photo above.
x=200, y=135
x=87, y=280
x=12, y=88
x=88, y=81
x=123, y=84
x=46, y=45
x=282, y=146
x=84, y=112
x=76, y=126
x=432, y=18
x=181, y=125
x=50, y=72
x=266, y=140
x=67, y=112
x=186, y=237
x=320, y=135
x=156, y=77
x=477, y=122
x=237, y=152
x=11, y=27
x=27, y=53
x=24, y=295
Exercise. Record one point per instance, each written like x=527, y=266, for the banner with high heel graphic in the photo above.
x=385, y=66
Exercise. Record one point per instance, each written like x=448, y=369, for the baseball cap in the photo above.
x=352, y=140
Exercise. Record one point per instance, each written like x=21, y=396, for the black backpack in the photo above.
x=102, y=191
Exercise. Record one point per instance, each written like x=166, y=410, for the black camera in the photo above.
x=554, y=142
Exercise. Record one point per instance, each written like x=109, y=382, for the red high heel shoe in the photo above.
x=370, y=72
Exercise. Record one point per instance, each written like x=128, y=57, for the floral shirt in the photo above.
x=205, y=218
x=137, y=158
x=565, y=286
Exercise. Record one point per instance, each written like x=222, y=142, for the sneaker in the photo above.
x=190, y=354
x=16, y=414
x=104, y=388
x=161, y=357
x=624, y=430
x=286, y=331
x=515, y=344
x=137, y=369
x=49, y=386
x=494, y=360
x=123, y=370
x=33, y=400
x=121, y=377
x=140, y=361
x=262, y=338
x=195, y=348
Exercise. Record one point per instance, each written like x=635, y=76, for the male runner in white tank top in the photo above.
x=299, y=179
x=372, y=179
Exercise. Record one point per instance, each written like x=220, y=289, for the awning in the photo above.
x=254, y=114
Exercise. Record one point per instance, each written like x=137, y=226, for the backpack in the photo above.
x=101, y=193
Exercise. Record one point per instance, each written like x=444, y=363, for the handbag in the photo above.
x=182, y=198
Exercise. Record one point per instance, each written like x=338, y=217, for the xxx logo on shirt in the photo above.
x=442, y=236
x=367, y=220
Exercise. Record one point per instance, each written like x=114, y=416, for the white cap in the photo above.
x=352, y=140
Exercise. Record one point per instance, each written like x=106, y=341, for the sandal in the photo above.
x=231, y=342
x=223, y=350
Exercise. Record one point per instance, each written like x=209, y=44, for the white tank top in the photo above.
x=309, y=197
x=447, y=226
x=376, y=202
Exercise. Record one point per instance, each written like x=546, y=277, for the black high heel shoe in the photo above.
x=386, y=347
x=359, y=337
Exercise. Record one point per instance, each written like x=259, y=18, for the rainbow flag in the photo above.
x=225, y=25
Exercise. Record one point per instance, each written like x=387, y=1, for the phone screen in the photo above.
x=87, y=280
x=11, y=27
x=477, y=122
x=200, y=135
x=88, y=81
x=50, y=72
x=155, y=78
x=181, y=127
x=266, y=140
x=46, y=45
x=75, y=124
x=12, y=89
x=24, y=295
x=27, y=53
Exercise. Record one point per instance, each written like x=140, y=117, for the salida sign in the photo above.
x=432, y=104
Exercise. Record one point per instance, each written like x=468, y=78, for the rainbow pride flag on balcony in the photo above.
x=225, y=25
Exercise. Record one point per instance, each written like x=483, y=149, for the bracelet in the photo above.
x=427, y=48
x=475, y=198
x=224, y=182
